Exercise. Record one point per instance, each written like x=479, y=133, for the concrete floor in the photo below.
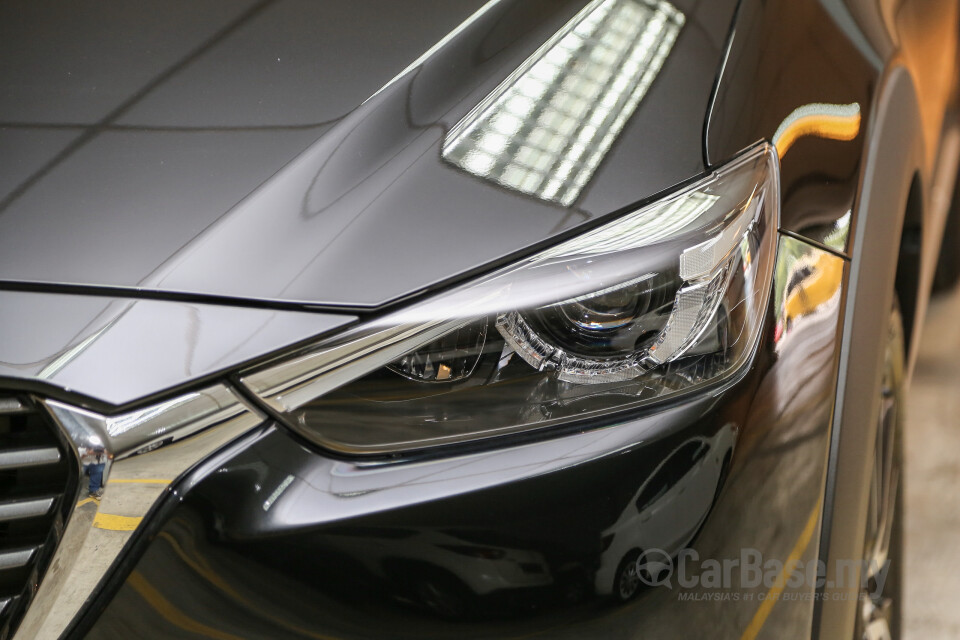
x=932, y=505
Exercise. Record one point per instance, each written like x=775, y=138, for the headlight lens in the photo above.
x=661, y=301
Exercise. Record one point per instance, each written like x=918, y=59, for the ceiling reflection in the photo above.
x=547, y=127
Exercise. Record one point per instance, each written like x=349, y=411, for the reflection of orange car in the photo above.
x=810, y=286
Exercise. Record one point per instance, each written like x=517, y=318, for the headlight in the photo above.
x=662, y=301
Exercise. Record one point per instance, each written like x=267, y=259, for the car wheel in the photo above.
x=443, y=595
x=880, y=599
x=626, y=581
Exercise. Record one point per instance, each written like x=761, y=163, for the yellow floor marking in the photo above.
x=139, y=481
x=773, y=595
x=86, y=501
x=173, y=615
x=116, y=523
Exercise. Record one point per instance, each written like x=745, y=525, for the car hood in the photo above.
x=305, y=152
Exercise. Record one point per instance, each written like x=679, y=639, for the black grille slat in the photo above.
x=29, y=482
x=37, y=472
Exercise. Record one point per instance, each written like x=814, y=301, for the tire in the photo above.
x=879, y=610
x=626, y=581
x=443, y=595
x=948, y=264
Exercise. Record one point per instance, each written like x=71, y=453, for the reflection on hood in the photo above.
x=546, y=128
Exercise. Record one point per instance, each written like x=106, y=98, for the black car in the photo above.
x=429, y=319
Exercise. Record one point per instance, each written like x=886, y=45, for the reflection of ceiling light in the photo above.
x=546, y=128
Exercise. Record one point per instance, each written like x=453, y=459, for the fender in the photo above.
x=894, y=159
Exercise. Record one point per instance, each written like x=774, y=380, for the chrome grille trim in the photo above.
x=143, y=452
x=12, y=405
x=36, y=474
x=22, y=509
x=17, y=458
x=16, y=558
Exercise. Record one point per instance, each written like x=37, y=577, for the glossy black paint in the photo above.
x=149, y=189
x=114, y=351
x=508, y=541
x=784, y=56
x=787, y=55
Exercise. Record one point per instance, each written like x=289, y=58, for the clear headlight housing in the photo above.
x=662, y=301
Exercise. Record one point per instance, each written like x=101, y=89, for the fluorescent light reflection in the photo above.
x=547, y=127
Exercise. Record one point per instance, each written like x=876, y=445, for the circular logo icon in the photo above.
x=655, y=567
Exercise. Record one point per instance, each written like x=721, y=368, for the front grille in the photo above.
x=37, y=472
